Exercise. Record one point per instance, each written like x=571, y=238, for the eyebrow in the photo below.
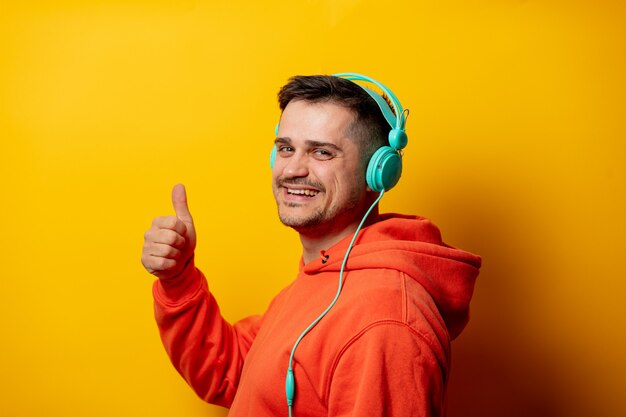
x=310, y=143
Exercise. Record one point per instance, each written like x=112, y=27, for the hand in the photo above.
x=170, y=242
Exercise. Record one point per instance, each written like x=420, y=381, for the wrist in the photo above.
x=187, y=269
x=180, y=287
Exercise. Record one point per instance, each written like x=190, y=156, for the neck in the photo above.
x=314, y=243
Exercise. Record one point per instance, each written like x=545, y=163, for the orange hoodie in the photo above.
x=382, y=350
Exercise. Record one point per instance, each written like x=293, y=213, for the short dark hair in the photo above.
x=370, y=127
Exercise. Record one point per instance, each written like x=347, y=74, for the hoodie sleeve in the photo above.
x=205, y=349
x=387, y=370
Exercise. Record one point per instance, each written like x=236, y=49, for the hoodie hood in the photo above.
x=412, y=245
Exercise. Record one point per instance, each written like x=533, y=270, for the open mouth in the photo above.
x=307, y=193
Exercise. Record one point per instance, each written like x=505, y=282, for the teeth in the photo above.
x=309, y=193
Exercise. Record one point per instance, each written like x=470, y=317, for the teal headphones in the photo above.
x=385, y=166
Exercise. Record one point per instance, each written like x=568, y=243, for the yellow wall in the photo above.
x=516, y=150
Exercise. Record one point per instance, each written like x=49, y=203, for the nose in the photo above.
x=296, y=166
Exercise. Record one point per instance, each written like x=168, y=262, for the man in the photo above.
x=383, y=348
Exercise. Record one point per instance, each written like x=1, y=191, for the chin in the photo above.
x=298, y=222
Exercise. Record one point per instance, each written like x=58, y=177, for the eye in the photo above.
x=322, y=154
x=285, y=149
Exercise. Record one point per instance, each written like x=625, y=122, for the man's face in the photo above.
x=318, y=179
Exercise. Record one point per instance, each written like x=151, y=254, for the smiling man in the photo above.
x=319, y=178
x=365, y=327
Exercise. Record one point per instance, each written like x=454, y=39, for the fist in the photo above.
x=170, y=242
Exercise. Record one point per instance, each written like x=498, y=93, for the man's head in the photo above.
x=329, y=129
x=369, y=128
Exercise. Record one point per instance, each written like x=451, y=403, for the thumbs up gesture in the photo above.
x=171, y=240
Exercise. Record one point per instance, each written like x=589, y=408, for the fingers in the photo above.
x=162, y=251
x=164, y=245
x=179, y=201
x=160, y=259
x=162, y=268
x=172, y=223
x=166, y=237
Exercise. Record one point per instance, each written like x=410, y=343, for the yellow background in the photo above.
x=516, y=150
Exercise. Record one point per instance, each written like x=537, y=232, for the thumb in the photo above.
x=179, y=200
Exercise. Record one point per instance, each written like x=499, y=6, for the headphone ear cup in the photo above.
x=272, y=156
x=398, y=139
x=384, y=169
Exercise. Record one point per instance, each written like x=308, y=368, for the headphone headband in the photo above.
x=397, y=120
